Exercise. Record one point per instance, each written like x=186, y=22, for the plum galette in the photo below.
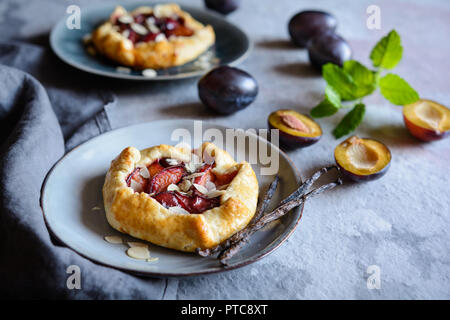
x=152, y=37
x=179, y=198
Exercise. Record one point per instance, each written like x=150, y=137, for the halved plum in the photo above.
x=427, y=120
x=362, y=159
x=296, y=130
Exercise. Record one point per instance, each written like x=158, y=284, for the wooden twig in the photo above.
x=269, y=217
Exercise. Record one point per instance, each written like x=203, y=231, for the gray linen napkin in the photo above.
x=33, y=128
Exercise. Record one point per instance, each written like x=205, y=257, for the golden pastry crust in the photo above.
x=141, y=216
x=175, y=51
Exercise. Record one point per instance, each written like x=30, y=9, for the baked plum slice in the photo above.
x=306, y=24
x=427, y=120
x=160, y=181
x=296, y=130
x=136, y=181
x=362, y=159
x=193, y=204
x=207, y=176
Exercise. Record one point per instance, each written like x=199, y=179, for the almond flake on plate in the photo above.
x=140, y=253
x=149, y=73
x=133, y=244
x=178, y=210
x=143, y=172
x=123, y=70
x=113, y=239
x=200, y=188
x=152, y=259
x=87, y=38
x=96, y=208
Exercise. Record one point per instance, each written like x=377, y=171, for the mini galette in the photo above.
x=159, y=37
x=179, y=198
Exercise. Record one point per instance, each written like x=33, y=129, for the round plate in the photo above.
x=231, y=47
x=72, y=201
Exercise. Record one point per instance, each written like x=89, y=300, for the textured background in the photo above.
x=399, y=222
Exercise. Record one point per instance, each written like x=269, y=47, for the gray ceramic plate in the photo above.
x=73, y=188
x=232, y=44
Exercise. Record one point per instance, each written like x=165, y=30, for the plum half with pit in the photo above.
x=227, y=90
x=296, y=130
x=223, y=6
x=427, y=120
x=362, y=159
x=306, y=24
x=328, y=47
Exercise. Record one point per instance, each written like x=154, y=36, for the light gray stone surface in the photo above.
x=399, y=223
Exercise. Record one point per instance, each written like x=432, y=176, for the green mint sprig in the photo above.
x=353, y=81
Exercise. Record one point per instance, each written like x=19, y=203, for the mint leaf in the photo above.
x=339, y=80
x=351, y=121
x=387, y=53
x=359, y=73
x=397, y=90
x=329, y=106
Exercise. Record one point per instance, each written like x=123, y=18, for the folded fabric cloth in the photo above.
x=34, y=126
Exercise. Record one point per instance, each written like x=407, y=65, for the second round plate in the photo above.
x=72, y=201
x=231, y=47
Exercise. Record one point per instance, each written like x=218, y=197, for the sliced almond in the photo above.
x=143, y=172
x=87, y=38
x=160, y=37
x=139, y=29
x=113, y=239
x=133, y=244
x=223, y=187
x=210, y=186
x=140, y=253
x=126, y=19
x=215, y=193
x=123, y=70
x=149, y=73
x=178, y=210
x=185, y=185
x=96, y=208
x=200, y=188
x=137, y=187
x=152, y=259
x=172, y=187
x=194, y=175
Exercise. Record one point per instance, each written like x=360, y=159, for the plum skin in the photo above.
x=223, y=6
x=304, y=25
x=328, y=47
x=227, y=90
x=363, y=178
x=424, y=134
x=294, y=142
